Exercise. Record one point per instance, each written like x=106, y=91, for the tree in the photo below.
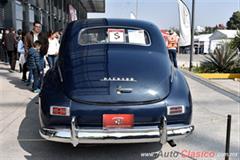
x=234, y=21
x=235, y=43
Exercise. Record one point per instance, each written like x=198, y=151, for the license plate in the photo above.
x=118, y=120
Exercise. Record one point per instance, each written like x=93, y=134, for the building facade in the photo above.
x=53, y=14
x=201, y=43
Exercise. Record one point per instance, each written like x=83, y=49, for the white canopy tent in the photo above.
x=219, y=37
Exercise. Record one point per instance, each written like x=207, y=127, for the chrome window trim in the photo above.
x=124, y=27
x=60, y=72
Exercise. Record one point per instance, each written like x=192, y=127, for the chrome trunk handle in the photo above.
x=121, y=90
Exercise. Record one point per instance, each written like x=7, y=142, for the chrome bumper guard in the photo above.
x=146, y=134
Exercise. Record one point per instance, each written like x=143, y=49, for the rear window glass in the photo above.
x=114, y=35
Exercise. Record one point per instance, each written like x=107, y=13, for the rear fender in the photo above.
x=180, y=95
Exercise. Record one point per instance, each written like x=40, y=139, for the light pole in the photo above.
x=192, y=35
x=136, y=9
x=238, y=5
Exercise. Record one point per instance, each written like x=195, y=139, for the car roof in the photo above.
x=95, y=22
x=71, y=33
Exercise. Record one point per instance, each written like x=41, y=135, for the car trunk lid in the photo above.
x=114, y=75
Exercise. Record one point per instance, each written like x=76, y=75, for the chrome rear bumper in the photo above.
x=146, y=134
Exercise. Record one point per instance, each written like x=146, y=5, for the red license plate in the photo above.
x=118, y=120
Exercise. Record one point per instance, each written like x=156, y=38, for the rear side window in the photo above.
x=114, y=35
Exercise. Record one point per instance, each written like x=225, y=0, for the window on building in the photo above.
x=31, y=15
x=19, y=15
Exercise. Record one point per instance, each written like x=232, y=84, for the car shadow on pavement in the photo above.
x=38, y=148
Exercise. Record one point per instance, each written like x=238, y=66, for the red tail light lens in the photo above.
x=59, y=111
x=175, y=110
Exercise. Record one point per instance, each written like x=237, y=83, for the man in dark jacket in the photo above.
x=32, y=36
x=10, y=43
x=36, y=34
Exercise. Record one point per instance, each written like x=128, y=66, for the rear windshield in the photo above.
x=114, y=35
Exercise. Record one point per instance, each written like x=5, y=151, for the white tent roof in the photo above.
x=223, y=34
x=202, y=37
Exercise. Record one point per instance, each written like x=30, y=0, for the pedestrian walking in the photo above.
x=53, y=48
x=34, y=65
x=5, y=55
x=172, y=44
x=10, y=43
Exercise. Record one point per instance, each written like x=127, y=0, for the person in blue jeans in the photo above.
x=53, y=47
x=30, y=77
x=34, y=65
x=172, y=44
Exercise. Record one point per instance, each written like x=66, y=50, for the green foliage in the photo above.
x=223, y=60
x=198, y=69
x=235, y=43
x=234, y=21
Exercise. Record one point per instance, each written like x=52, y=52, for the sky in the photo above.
x=164, y=13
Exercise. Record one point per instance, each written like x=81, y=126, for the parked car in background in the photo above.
x=114, y=83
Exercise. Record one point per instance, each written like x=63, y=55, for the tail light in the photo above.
x=175, y=110
x=59, y=111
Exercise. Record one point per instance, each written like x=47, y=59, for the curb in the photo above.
x=229, y=93
x=219, y=75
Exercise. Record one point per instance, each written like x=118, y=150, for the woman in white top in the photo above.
x=20, y=50
x=53, y=48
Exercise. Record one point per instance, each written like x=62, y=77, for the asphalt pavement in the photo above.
x=19, y=123
x=183, y=59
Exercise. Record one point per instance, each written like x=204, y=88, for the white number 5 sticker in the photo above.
x=116, y=35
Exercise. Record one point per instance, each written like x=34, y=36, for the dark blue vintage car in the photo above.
x=114, y=83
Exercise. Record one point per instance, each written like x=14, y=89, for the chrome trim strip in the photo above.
x=177, y=132
x=74, y=139
x=60, y=73
x=145, y=134
x=118, y=79
x=163, y=130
